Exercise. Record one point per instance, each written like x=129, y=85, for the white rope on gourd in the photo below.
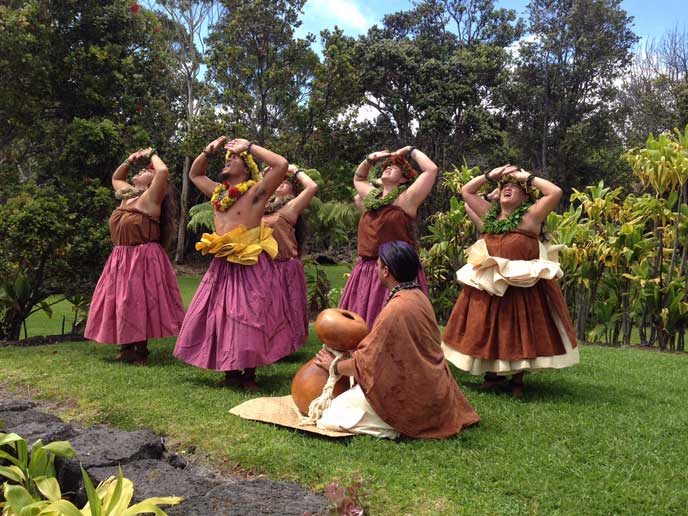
x=322, y=402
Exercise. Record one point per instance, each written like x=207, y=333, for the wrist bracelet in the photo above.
x=248, y=149
x=208, y=154
x=529, y=181
x=487, y=177
x=411, y=152
x=361, y=176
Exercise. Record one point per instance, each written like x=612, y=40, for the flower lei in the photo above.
x=374, y=199
x=250, y=163
x=224, y=195
x=128, y=193
x=492, y=225
x=276, y=203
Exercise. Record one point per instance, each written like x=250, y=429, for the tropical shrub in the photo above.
x=54, y=243
x=33, y=490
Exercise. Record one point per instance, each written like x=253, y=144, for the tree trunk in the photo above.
x=183, y=212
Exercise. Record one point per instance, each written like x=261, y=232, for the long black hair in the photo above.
x=401, y=259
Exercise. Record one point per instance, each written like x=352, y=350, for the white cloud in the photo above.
x=343, y=13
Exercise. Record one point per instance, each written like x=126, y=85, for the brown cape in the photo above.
x=401, y=369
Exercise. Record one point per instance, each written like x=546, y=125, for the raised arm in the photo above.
x=119, y=176
x=295, y=207
x=469, y=192
x=277, y=166
x=412, y=198
x=197, y=173
x=158, y=188
x=361, y=183
x=551, y=195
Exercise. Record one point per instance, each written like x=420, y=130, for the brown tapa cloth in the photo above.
x=518, y=325
x=129, y=226
x=377, y=227
x=285, y=234
x=402, y=372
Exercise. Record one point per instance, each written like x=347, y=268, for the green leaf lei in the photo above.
x=492, y=225
x=374, y=199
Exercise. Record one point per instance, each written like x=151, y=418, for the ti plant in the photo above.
x=31, y=472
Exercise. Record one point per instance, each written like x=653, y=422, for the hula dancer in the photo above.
x=511, y=316
x=283, y=215
x=137, y=297
x=389, y=214
x=235, y=323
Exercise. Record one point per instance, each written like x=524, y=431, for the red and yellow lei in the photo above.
x=225, y=195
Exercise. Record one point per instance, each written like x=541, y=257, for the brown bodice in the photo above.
x=129, y=226
x=516, y=245
x=377, y=227
x=284, y=233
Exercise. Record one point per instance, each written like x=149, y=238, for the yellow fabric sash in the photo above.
x=241, y=245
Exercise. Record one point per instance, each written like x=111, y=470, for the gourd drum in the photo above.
x=338, y=329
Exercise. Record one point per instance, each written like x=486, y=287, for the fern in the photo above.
x=201, y=217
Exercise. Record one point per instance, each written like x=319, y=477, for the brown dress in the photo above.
x=363, y=293
x=386, y=224
x=525, y=329
x=402, y=372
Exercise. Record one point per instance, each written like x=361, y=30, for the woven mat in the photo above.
x=279, y=411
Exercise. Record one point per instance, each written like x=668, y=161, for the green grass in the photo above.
x=606, y=437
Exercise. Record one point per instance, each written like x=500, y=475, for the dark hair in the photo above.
x=168, y=216
x=401, y=259
x=300, y=233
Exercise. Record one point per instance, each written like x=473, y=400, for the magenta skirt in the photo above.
x=292, y=287
x=137, y=297
x=363, y=292
x=235, y=320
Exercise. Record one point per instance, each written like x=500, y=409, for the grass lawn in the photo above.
x=606, y=437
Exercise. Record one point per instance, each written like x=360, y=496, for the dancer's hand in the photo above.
x=324, y=359
x=404, y=151
x=214, y=146
x=519, y=175
x=237, y=145
x=377, y=156
x=497, y=173
x=140, y=154
x=292, y=170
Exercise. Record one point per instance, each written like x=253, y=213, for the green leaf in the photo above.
x=13, y=473
x=64, y=508
x=93, y=499
x=48, y=487
x=60, y=449
x=17, y=497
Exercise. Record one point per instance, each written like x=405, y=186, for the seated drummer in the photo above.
x=403, y=383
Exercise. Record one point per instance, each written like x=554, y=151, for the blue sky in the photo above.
x=355, y=16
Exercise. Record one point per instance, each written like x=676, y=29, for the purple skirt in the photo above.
x=292, y=287
x=137, y=297
x=363, y=292
x=235, y=320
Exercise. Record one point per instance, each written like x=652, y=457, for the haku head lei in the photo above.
x=401, y=162
x=251, y=165
x=531, y=192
